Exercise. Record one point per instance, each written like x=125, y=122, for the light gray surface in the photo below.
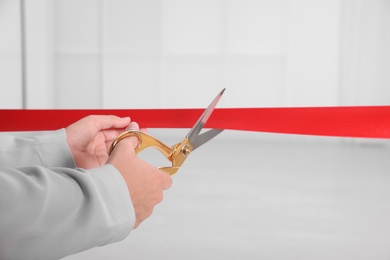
x=279, y=198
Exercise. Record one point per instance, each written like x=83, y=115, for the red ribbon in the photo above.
x=362, y=121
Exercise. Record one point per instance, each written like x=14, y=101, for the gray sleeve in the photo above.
x=52, y=213
x=48, y=149
x=49, y=209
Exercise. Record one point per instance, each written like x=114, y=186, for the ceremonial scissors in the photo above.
x=179, y=152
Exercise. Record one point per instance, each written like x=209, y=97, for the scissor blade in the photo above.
x=205, y=137
x=193, y=135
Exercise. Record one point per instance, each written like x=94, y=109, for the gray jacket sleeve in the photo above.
x=48, y=208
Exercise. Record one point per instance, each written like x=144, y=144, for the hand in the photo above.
x=90, y=138
x=144, y=181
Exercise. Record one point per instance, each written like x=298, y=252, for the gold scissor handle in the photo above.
x=176, y=154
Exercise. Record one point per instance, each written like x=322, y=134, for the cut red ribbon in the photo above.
x=362, y=121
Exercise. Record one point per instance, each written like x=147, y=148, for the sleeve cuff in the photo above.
x=47, y=149
x=61, y=155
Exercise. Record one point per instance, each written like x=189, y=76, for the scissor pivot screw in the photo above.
x=186, y=150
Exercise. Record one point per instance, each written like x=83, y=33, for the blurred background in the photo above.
x=173, y=53
x=275, y=196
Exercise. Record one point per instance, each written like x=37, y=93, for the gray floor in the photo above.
x=260, y=196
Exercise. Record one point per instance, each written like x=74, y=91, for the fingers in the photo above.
x=111, y=134
x=109, y=121
x=145, y=199
x=109, y=125
x=166, y=180
x=103, y=122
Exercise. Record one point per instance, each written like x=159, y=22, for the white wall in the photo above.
x=180, y=53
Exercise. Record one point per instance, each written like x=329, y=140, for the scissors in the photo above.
x=179, y=152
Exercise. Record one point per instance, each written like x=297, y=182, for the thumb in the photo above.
x=134, y=139
x=133, y=126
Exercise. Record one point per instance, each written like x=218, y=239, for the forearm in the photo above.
x=51, y=213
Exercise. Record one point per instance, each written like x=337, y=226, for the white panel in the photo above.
x=255, y=82
x=77, y=46
x=39, y=53
x=192, y=82
x=256, y=27
x=132, y=26
x=373, y=76
x=10, y=25
x=10, y=55
x=10, y=81
x=77, y=81
x=77, y=25
x=313, y=53
x=131, y=82
x=193, y=27
x=366, y=53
